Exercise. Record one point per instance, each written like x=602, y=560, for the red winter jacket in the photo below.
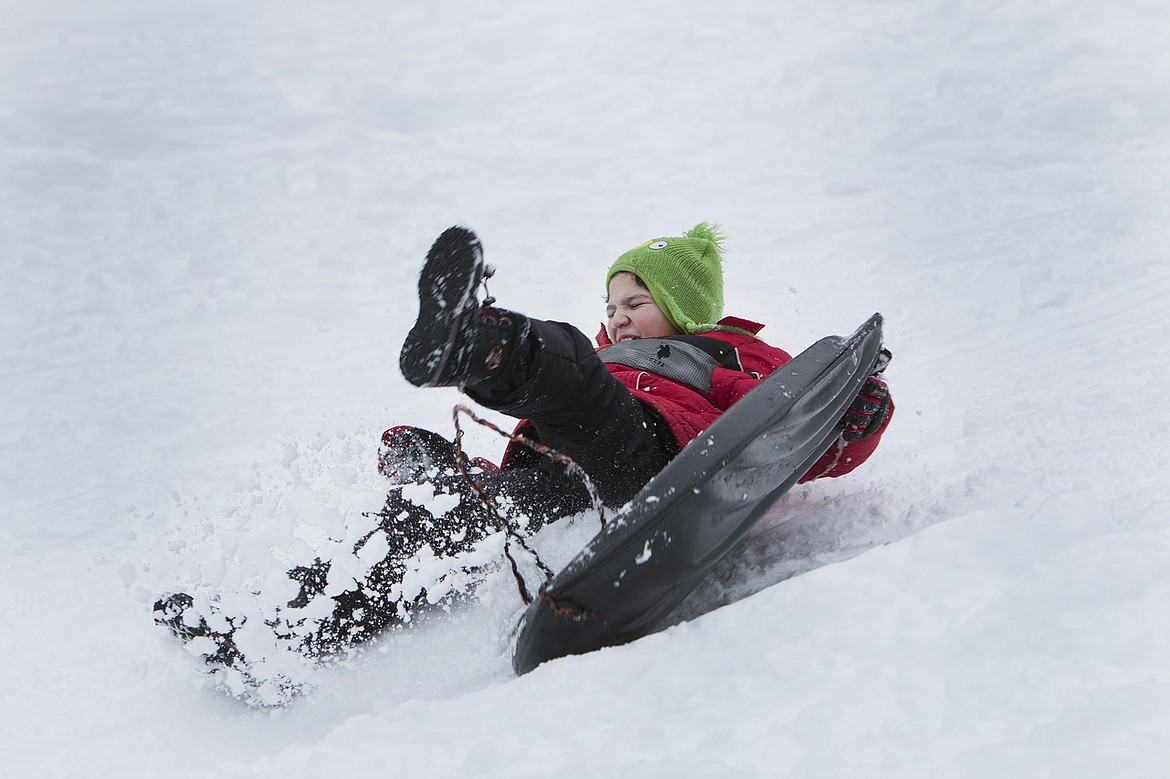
x=688, y=411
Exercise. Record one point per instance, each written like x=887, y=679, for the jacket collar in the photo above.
x=744, y=324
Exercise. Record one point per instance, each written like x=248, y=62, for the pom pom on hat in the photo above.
x=684, y=275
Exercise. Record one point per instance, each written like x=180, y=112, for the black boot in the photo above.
x=171, y=612
x=455, y=341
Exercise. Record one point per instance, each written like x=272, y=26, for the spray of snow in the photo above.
x=211, y=219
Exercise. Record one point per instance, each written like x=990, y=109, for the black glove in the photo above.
x=412, y=455
x=865, y=415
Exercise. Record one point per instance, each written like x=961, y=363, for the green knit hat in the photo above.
x=684, y=275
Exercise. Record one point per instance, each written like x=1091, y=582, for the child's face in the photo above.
x=632, y=313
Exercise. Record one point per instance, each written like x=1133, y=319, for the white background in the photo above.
x=211, y=219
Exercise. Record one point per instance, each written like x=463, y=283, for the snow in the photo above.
x=211, y=217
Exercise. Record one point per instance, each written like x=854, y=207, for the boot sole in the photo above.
x=446, y=291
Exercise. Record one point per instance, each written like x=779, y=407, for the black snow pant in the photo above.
x=576, y=406
x=581, y=410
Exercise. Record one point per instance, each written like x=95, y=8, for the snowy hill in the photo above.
x=211, y=220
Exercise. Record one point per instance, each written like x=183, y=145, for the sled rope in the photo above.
x=575, y=613
x=511, y=534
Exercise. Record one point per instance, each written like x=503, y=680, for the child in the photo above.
x=667, y=364
x=624, y=410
